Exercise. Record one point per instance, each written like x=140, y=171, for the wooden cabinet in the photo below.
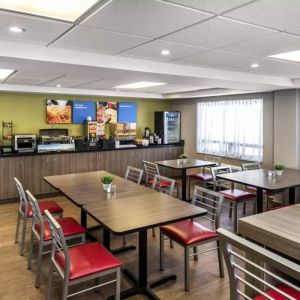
x=31, y=169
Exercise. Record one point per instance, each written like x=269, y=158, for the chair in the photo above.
x=190, y=234
x=205, y=177
x=25, y=212
x=267, y=194
x=133, y=174
x=40, y=230
x=248, y=276
x=80, y=263
x=233, y=195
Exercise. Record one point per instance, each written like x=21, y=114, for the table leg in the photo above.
x=83, y=217
x=183, y=178
x=106, y=238
x=292, y=195
x=259, y=200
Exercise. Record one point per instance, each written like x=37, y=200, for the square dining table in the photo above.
x=261, y=180
x=183, y=167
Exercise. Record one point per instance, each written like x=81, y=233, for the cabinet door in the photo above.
x=84, y=162
x=10, y=167
x=36, y=168
x=61, y=164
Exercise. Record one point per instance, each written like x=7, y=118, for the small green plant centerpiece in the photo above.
x=183, y=157
x=106, y=182
x=278, y=168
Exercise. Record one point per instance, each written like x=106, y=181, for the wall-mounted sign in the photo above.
x=127, y=112
x=84, y=111
x=59, y=111
x=107, y=112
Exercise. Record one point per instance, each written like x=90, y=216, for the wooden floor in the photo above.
x=16, y=282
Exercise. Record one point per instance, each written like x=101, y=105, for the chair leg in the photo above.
x=23, y=236
x=39, y=264
x=186, y=269
x=189, y=188
x=244, y=208
x=195, y=249
x=235, y=217
x=254, y=207
x=230, y=210
x=30, y=250
x=118, y=285
x=124, y=240
x=161, y=251
x=153, y=232
x=220, y=258
x=18, y=227
x=171, y=244
x=65, y=289
x=50, y=281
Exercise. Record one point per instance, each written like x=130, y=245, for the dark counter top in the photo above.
x=13, y=154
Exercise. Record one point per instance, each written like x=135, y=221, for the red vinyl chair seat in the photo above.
x=68, y=225
x=162, y=183
x=188, y=232
x=202, y=176
x=236, y=195
x=88, y=259
x=52, y=207
x=277, y=296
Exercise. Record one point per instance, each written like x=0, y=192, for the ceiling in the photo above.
x=212, y=45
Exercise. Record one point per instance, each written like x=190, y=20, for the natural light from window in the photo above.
x=232, y=128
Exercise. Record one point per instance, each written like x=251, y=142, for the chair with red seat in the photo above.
x=190, y=234
x=257, y=273
x=25, y=212
x=233, y=195
x=41, y=231
x=134, y=174
x=80, y=263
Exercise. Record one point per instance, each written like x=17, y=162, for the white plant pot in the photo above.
x=106, y=187
x=184, y=160
x=278, y=172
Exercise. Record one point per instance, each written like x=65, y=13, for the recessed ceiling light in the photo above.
x=4, y=73
x=58, y=9
x=16, y=29
x=254, y=65
x=139, y=85
x=165, y=52
x=58, y=85
x=291, y=56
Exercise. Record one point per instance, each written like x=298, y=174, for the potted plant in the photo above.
x=183, y=157
x=106, y=182
x=278, y=168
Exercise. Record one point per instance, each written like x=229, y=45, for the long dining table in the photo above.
x=131, y=208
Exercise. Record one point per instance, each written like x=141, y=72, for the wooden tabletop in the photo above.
x=259, y=178
x=277, y=229
x=83, y=188
x=142, y=211
x=191, y=163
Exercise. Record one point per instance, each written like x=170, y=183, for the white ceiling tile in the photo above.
x=26, y=80
x=96, y=40
x=278, y=14
x=294, y=31
x=217, y=32
x=152, y=50
x=101, y=84
x=144, y=17
x=37, y=30
x=215, y=6
x=269, y=45
x=64, y=83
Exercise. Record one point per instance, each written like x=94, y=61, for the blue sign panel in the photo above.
x=127, y=112
x=82, y=110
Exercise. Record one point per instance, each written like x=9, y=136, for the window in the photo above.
x=231, y=128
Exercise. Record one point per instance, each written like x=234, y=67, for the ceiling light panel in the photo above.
x=4, y=73
x=66, y=10
x=139, y=85
x=290, y=56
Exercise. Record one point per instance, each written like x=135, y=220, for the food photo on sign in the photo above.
x=59, y=111
x=107, y=112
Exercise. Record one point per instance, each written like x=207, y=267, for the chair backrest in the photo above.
x=23, y=204
x=216, y=159
x=37, y=217
x=59, y=246
x=239, y=253
x=134, y=174
x=151, y=169
x=211, y=201
x=250, y=166
x=163, y=184
x=215, y=171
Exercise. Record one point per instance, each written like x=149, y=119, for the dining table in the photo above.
x=183, y=166
x=265, y=180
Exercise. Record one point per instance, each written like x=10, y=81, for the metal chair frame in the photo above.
x=37, y=218
x=151, y=169
x=59, y=244
x=23, y=214
x=134, y=174
x=212, y=201
x=239, y=254
x=233, y=204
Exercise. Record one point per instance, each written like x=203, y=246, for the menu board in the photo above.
x=59, y=111
x=127, y=112
x=107, y=112
x=82, y=110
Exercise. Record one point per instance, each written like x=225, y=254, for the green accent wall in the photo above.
x=28, y=111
